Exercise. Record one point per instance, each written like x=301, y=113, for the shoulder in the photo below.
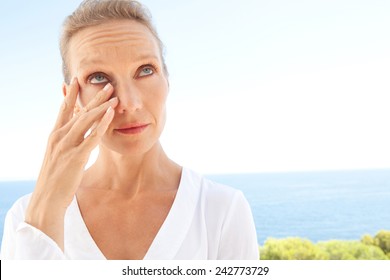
x=228, y=219
x=206, y=185
x=214, y=194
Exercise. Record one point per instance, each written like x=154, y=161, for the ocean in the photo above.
x=315, y=205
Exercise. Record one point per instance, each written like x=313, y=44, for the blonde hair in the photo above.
x=95, y=12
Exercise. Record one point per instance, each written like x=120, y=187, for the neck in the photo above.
x=133, y=174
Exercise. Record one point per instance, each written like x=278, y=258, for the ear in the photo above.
x=64, y=86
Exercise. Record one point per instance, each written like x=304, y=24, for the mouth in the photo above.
x=132, y=128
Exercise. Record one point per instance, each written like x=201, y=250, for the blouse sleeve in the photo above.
x=22, y=241
x=238, y=238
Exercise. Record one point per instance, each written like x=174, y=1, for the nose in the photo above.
x=129, y=96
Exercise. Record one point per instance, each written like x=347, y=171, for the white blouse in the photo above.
x=206, y=221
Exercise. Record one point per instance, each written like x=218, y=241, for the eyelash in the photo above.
x=90, y=77
x=149, y=65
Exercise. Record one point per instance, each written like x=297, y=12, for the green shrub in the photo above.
x=295, y=248
x=292, y=248
x=351, y=250
x=382, y=240
x=367, y=239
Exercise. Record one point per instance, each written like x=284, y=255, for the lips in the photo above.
x=132, y=128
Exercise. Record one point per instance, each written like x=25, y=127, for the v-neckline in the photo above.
x=171, y=233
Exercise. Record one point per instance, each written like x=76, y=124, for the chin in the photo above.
x=127, y=147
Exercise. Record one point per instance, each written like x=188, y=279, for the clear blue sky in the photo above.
x=256, y=86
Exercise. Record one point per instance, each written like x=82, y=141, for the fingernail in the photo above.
x=73, y=80
x=107, y=87
x=109, y=110
x=113, y=100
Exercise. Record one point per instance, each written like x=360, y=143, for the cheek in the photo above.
x=160, y=103
x=156, y=97
x=163, y=114
x=86, y=94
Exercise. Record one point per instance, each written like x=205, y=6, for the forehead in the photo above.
x=112, y=38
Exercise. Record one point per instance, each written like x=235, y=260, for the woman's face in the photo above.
x=125, y=54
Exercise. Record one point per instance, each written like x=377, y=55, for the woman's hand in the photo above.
x=67, y=154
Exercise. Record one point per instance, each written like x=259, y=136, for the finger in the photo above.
x=85, y=121
x=93, y=139
x=95, y=124
x=101, y=97
x=67, y=107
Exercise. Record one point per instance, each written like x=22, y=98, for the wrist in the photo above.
x=47, y=214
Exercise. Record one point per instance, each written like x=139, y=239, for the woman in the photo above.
x=133, y=202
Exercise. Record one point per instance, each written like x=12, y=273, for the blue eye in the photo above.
x=146, y=71
x=97, y=79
